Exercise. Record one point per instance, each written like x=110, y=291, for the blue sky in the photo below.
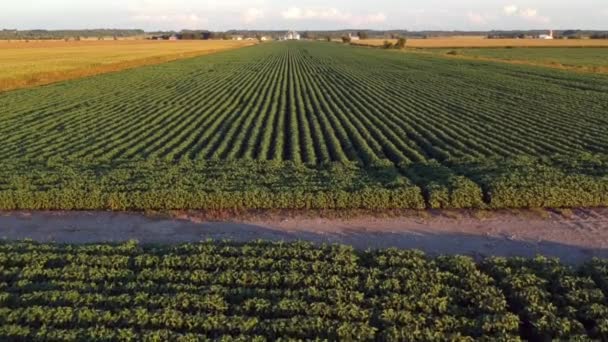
x=305, y=15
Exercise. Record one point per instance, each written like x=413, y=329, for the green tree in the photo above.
x=400, y=43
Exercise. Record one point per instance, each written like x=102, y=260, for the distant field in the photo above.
x=41, y=62
x=585, y=59
x=581, y=55
x=482, y=42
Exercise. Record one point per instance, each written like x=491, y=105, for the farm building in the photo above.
x=292, y=35
x=173, y=37
x=353, y=38
x=546, y=36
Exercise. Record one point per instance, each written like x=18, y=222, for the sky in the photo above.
x=219, y=15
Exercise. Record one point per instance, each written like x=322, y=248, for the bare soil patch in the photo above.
x=574, y=236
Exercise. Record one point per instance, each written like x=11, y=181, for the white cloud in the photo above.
x=166, y=16
x=292, y=13
x=510, y=10
x=252, y=15
x=184, y=20
x=179, y=6
x=296, y=13
x=376, y=18
x=332, y=14
x=477, y=18
x=529, y=14
x=189, y=14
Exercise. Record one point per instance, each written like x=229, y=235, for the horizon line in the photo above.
x=291, y=29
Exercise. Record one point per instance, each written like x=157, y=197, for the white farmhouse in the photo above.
x=292, y=35
x=353, y=38
x=546, y=36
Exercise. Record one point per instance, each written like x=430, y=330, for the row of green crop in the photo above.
x=199, y=134
x=209, y=291
x=456, y=129
x=525, y=182
x=280, y=291
x=312, y=103
x=186, y=199
x=267, y=290
x=417, y=299
x=555, y=302
x=578, y=181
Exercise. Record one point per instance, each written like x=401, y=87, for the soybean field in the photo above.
x=291, y=291
x=308, y=124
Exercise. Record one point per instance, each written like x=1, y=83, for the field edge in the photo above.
x=48, y=78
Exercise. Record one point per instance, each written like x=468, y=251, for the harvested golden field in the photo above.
x=33, y=63
x=478, y=42
x=587, y=59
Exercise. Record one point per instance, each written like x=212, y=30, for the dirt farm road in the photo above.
x=580, y=236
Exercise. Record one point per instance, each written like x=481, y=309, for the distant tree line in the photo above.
x=63, y=34
x=599, y=36
x=190, y=35
x=335, y=34
x=507, y=36
x=558, y=34
x=201, y=35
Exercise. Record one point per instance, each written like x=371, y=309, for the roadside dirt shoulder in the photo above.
x=574, y=238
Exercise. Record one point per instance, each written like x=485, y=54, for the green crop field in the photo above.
x=308, y=125
x=584, y=57
x=291, y=291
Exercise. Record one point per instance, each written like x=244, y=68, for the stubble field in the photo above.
x=32, y=63
x=587, y=60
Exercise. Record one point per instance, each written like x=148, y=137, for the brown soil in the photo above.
x=574, y=236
